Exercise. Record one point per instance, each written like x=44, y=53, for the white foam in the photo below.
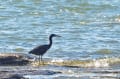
x=57, y=60
x=100, y=63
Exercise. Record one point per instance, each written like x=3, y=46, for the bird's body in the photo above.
x=41, y=50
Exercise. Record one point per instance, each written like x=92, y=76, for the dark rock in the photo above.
x=13, y=59
x=16, y=76
x=45, y=72
x=48, y=72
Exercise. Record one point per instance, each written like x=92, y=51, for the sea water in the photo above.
x=90, y=31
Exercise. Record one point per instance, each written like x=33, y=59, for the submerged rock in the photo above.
x=13, y=59
x=45, y=72
x=21, y=74
x=16, y=76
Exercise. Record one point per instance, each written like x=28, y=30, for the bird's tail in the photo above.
x=30, y=52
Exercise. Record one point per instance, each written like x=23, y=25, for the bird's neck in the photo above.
x=50, y=41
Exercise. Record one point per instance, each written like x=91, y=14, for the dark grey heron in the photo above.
x=42, y=49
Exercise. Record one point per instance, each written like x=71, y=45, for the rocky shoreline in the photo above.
x=16, y=65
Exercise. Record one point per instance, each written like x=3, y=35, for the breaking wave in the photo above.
x=104, y=62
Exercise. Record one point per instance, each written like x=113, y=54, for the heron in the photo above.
x=42, y=49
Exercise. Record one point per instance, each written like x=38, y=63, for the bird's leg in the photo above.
x=39, y=59
x=42, y=60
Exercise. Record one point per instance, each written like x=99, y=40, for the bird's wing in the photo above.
x=42, y=48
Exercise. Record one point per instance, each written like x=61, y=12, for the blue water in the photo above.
x=89, y=28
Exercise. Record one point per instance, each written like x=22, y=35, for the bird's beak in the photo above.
x=57, y=36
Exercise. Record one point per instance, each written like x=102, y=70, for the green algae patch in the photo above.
x=37, y=63
x=71, y=63
x=19, y=49
x=104, y=51
x=67, y=63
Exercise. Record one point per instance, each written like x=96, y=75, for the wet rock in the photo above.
x=21, y=73
x=45, y=72
x=13, y=59
x=9, y=71
x=16, y=76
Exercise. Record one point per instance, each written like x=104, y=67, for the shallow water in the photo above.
x=90, y=29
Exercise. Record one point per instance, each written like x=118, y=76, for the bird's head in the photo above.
x=54, y=35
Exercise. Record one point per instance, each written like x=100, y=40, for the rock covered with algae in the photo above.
x=103, y=62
